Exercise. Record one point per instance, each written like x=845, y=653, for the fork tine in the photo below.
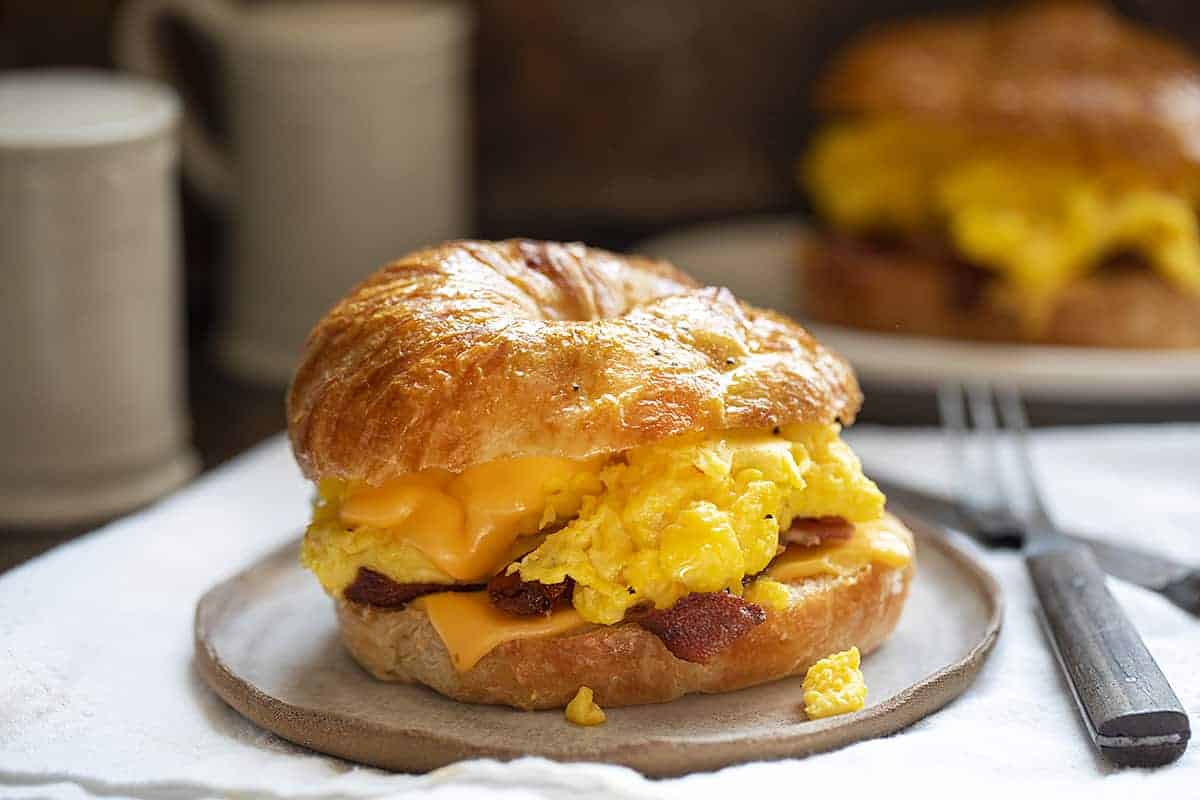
x=983, y=416
x=950, y=407
x=1012, y=411
x=976, y=495
x=954, y=423
x=984, y=499
x=983, y=411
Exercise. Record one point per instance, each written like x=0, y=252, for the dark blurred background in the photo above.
x=604, y=122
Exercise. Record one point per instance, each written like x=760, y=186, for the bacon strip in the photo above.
x=527, y=598
x=701, y=625
x=376, y=589
x=812, y=531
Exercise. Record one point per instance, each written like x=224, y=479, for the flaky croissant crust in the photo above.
x=1071, y=75
x=472, y=351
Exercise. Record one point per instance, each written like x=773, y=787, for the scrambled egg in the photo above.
x=834, y=685
x=1039, y=221
x=692, y=514
x=697, y=514
x=769, y=593
x=582, y=710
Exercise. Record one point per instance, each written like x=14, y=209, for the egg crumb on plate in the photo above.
x=582, y=710
x=835, y=685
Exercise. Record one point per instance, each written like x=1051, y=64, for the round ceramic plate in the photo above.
x=756, y=259
x=266, y=641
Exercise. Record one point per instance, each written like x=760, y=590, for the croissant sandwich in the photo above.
x=1024, y=175
x=542, y=467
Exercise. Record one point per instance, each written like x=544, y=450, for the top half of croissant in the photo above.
x=472, y=351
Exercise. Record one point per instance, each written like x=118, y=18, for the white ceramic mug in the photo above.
x=92, y=409
x=348, y=147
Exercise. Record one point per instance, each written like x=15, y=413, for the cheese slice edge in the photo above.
x=471, y=627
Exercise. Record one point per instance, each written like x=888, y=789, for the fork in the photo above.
x=1131, y=713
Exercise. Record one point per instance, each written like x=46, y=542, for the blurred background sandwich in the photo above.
x=1023, y=175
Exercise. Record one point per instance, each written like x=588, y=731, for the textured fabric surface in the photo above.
x=98, y=697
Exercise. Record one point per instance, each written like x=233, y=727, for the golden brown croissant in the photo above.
x=457, y=397
x=473, y=351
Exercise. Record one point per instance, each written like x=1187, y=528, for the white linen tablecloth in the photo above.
x=98, y=696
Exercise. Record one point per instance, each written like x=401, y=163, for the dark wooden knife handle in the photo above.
x=1131, y=712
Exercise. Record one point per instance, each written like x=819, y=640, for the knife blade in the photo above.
x=1179, y=583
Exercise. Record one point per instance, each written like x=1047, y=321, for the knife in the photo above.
x=1131, y=712
x=1179, y=583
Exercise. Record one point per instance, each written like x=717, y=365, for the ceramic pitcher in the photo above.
x=92, y=411
x=348, y=146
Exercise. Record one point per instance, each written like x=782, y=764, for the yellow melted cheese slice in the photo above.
x=883, y=541
x=471, y=627
x=466, y=524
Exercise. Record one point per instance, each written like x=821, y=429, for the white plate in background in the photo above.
x=755, y=258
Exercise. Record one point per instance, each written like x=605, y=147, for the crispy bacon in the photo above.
x=376, y=589
x=812, y=531
x=701, y=625
x=527, y=598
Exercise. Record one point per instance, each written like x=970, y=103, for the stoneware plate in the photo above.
x=266, y=642
x=756, y=259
